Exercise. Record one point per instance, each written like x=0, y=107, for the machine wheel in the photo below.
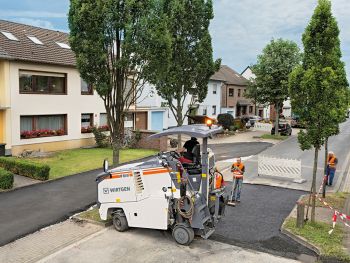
x=183, y=234
x=120, y=223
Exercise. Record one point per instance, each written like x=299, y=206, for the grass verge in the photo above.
x=273, y=137
x=336, y=200
x=93, y=215
x=74, y=161
x=317, y=234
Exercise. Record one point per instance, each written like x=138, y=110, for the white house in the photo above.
x=248, y=74
x=159, y=113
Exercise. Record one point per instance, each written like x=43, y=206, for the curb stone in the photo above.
x=296, y=238
x=78, y=219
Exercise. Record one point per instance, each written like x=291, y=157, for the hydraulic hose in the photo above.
x=186, y=214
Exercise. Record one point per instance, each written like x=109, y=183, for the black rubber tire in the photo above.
x=183, y=235
x=120, y=223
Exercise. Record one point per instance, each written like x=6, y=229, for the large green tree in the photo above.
x=272, y=69
x=119, y=44
x=191, y=56
x=318, y=87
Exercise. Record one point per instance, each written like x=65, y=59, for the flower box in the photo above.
x=41, y=133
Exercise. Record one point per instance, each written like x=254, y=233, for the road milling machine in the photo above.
x=163, y=193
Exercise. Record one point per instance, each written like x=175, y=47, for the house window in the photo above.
x=42, y=83
x=103, y=122
x=250, y=109
x=103, y=119
x=215, y=88
x=214, y=110
x=230, y=92
x=239, y=92
x=205, y=111
x=87, y=122
x=86, y=89
x=43, y=126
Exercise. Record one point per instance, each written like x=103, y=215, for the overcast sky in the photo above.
x=240, y=29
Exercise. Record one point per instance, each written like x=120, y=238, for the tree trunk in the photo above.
x=314, y=185
x=325, y=155
x=179, y=122
x=256, y=110
x=277, y=117
x=116, y=151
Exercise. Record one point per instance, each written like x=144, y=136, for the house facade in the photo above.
x=157, y=111
x=233, y=88
x=44, y=103
x=264, y=111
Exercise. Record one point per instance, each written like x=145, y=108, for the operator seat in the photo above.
x=196, y=151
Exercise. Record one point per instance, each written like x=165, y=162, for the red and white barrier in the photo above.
x=336, y=213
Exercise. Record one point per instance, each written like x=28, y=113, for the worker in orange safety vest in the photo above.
x=238, y=170
x=332, y=162
x=219, y=179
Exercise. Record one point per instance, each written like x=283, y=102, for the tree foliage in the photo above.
x=191, y=55
x=119, y=44
x=274, y=65
x=318, y=87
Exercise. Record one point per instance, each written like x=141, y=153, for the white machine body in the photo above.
x=140, y=193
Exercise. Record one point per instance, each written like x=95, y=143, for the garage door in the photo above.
x=157, y=120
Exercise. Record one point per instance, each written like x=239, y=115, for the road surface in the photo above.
x=339, y=144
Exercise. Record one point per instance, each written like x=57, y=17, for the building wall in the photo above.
x=5, y=102
x=211, y=100
x=73, y=105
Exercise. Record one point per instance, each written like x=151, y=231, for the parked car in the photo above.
x=283, y=129
x=296, y=123
x=250, y=120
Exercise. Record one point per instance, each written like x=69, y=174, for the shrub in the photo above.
x=135, y=138
x=102, y=140
x=233, y=128
x=6, y=179
x=225, y=120
x=26, y=168
x=173, y=143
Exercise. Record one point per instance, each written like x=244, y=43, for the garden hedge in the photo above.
x=6, y=179
x=25, y=168
x=225, y=120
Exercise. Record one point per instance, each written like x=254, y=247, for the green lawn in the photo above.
x=70, y=162
x=273, y=137
x=317, y=234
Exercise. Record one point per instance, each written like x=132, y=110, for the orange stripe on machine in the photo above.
x=156, y=171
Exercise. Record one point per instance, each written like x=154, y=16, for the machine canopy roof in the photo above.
x=196, y=130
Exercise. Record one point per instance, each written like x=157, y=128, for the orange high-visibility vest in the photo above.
x=238, y=174
x=332, y=161
x=218, y=181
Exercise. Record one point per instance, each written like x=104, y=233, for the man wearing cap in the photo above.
x=332, y=162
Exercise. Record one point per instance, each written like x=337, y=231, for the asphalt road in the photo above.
x=26, y=210
x=255, y=222
x=233, y=150
x=339, y=144
x=31, y=208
